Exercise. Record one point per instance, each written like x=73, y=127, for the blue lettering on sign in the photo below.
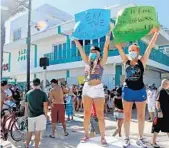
x=91, y=24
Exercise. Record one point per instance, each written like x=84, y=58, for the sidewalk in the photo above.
x=76, y=132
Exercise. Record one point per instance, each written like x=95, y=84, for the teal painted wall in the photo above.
x=35, y=56
x=9, y=62
x=67, y=74
x=118, y=74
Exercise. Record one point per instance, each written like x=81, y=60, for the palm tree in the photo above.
x=9, y=8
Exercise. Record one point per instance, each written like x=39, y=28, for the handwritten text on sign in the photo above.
x=134, y=23
x=91, y=24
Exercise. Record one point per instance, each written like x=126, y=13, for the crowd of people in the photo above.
x=94, y=99
x=66, y=101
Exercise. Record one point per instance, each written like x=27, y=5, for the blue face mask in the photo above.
x=132, y=54
x=92, y=56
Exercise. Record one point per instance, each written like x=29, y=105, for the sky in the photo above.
x=75, y=6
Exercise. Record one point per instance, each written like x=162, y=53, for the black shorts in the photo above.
x=160, y=124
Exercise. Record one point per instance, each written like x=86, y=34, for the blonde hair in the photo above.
x=164, y=82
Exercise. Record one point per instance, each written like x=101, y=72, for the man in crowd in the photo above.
x=3, y=95
x=56, y=96
x=8, y=95
x=16, y=95
x=151, y=100
x=36, y=106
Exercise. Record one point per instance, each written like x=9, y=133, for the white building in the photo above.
x=65, y=62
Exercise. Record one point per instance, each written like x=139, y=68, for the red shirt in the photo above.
x=93, y=110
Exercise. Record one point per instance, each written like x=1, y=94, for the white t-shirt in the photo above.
x=8, y=92
x=151, y=96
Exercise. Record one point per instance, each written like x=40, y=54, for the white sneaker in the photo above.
x=141, y=142
x=126, y=143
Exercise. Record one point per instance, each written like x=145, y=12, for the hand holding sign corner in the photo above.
x=91, y=24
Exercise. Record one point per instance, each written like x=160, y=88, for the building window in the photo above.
x=102, y=42
x=64, y=50
x=73, y=49
x=60, y=51
x=87, y=46
x=95, y=42
x=56, y=52
x=17, y=34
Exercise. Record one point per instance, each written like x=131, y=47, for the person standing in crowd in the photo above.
x=3, y=95
x=16, y=95
x=69, y=104
x=161, y=122
x=106, y=98
x=8, y=96
x=56, y=96
x=93, y=90
x=79, y=99
x=134, y=89
x=36, y=107
x=118, y=113
x=94, y=126
x=151, y=99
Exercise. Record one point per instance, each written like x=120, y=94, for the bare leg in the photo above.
x=99, y=104
x=64, y=127
x=87, y=104
x=141, y=106
x=127, y=116
x=28, y=138
x=154, y=138
x=37, y=139
x=117, y=129
x=78, y=103
x=151, y=116
x=120, y=126
x=53, y=129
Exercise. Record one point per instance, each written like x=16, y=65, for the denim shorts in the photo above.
x=131, y=95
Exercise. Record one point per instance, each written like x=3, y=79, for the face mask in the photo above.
x=92, y=56
x=133, y=54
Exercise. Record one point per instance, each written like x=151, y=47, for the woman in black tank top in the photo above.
x=134, y=89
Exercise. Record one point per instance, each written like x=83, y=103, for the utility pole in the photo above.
x=29, y=44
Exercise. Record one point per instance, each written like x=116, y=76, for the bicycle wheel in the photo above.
x=18, y=129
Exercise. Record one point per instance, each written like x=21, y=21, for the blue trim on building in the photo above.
x=67, y=74
x=59, y=29
x=35, y=56
x=9, y=62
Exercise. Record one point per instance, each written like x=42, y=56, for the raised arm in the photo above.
x=121, y=52
x=105, y=50
x=82, y=52
x=146, y=55
x=106, y=47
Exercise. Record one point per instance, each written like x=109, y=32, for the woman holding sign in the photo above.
x=134, y=90
x=93, y=91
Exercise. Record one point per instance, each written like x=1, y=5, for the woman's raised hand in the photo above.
x=154, y=30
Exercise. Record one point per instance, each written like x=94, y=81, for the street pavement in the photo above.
x=76, y=132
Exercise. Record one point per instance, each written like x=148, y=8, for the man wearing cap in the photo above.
x=36, y=104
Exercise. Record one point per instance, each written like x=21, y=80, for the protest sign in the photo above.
x=133, y=23
x=81, y=79
x=91, y=24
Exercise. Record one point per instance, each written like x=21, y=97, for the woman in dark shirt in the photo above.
x=118, y=113
x=161, y=122
x=134, y=89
